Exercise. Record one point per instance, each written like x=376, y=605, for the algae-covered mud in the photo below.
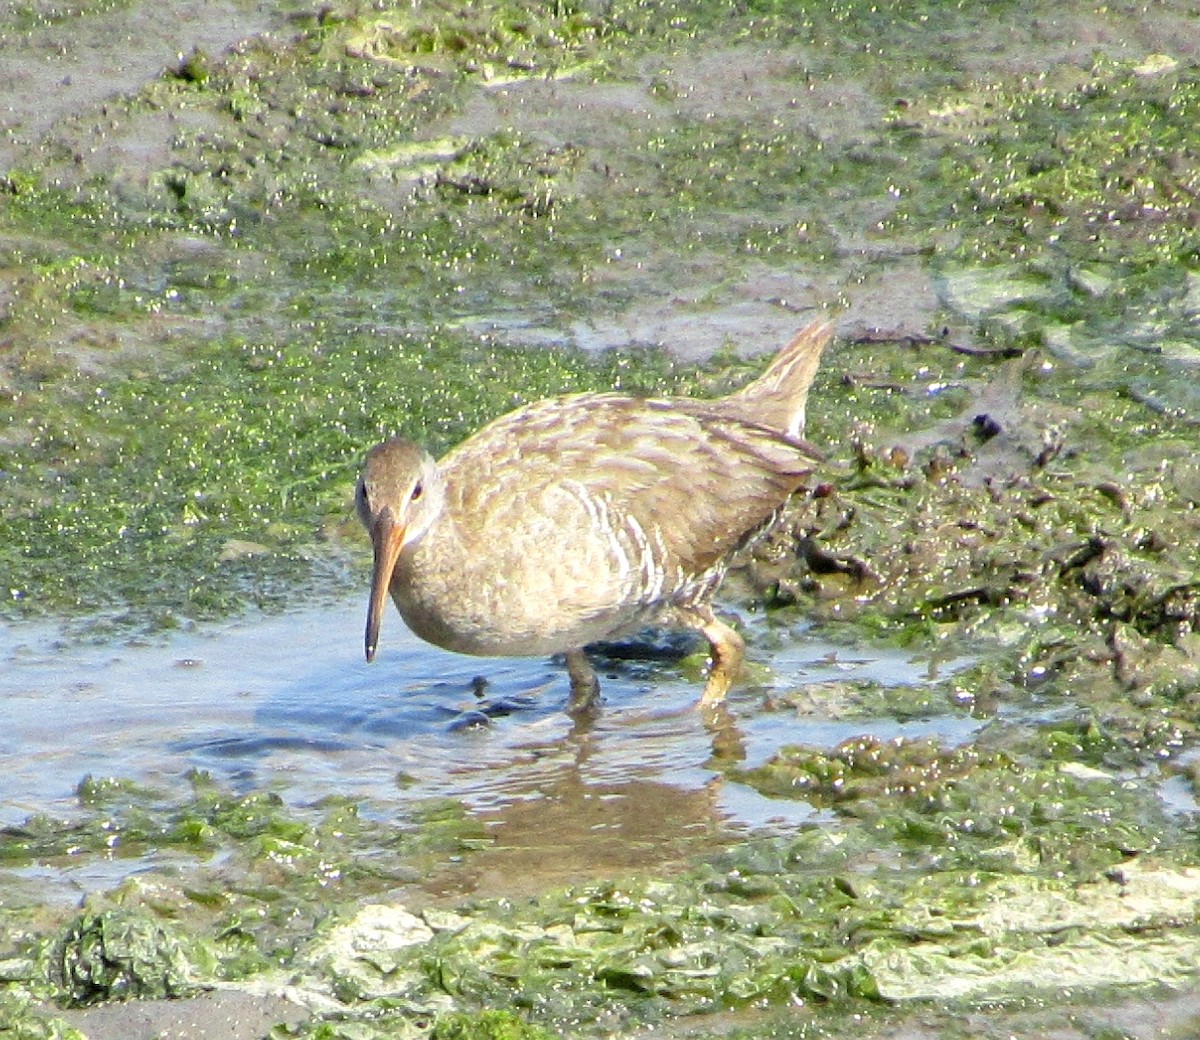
x=240, y=243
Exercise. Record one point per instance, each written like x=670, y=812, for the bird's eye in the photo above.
x=417, y=491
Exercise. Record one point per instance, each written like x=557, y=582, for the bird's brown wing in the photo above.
x=730, y=479
x=692, y=475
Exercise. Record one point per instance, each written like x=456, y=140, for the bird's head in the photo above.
x=399, y=496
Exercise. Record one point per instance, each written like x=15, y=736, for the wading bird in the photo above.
x=582, y=518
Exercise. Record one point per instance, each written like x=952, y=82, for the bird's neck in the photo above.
x=438, y=555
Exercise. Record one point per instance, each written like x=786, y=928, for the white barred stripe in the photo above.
x=649, y=567
x=601, y=522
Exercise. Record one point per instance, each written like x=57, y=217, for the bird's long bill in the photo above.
x=388, y=537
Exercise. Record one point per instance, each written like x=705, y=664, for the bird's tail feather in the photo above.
x=778, y=397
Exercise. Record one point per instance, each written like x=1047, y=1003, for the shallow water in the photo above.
x=287, y=703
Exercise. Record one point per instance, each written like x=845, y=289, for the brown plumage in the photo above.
x=582, y=518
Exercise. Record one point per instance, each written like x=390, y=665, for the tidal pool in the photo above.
x=286, y=703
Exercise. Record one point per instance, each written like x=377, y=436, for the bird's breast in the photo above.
x=569, y=570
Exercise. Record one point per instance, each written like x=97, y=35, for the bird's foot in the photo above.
x=585, y=686
x=728, y=649
x=728, y=740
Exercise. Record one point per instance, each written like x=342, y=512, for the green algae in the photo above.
x=971, y=807
x=770, y=926
x=23, y=17
x=1077, y=203
x=498, y=41
x=120, y=955
x=232, y=461
x=23, y=1019
x=313, y=848
x=455, y=1025
x=1086, y=188
x=487, y=1025
x=569, y=957
x=975, y=876
x=260, y=876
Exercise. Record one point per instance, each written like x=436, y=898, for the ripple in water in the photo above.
x=287, y=703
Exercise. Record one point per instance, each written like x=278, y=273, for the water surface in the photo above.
x=287, y=703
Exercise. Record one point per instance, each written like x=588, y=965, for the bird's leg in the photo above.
x=728, y=648
x=585, y=687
